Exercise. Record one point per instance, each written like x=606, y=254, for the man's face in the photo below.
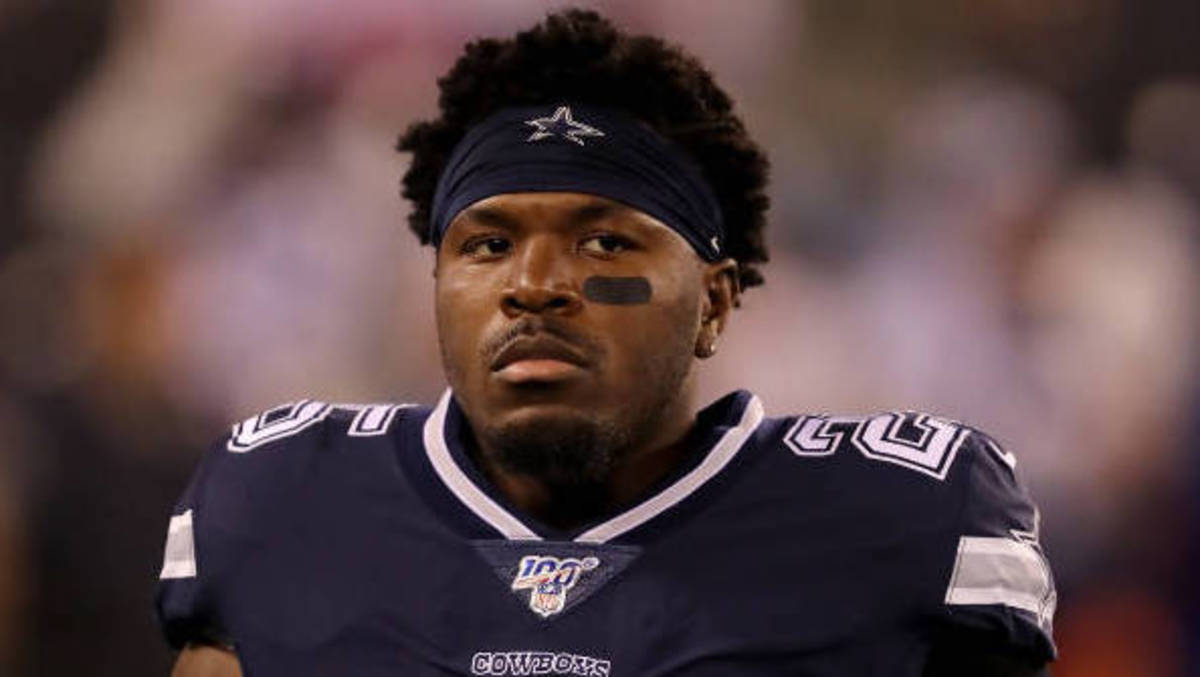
x=564, y=313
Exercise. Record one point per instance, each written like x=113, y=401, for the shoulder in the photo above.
x=918, y=442
x=268, y=464
x=262, y=482
x=912, y=474
x=895, y=474
x=286, y=424
x=925, y=462
x=910, y=452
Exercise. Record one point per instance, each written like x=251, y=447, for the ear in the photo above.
x=721, y=295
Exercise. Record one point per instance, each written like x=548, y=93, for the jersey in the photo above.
x=322, y=539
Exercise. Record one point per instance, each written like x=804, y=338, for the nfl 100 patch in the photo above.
x=549, y=578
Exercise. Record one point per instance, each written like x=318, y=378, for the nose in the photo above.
x=540, y=281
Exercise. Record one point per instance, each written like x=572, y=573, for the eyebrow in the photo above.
x=489, y=216
x=580, y=216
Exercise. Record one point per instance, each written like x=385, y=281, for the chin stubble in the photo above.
x=573, y=458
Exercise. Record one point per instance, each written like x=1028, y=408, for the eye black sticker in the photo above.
x=617, y=291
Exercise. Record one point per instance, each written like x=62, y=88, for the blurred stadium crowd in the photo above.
x=984, y=209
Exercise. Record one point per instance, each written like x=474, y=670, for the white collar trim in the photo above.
x=513, y=529
x=461, y=486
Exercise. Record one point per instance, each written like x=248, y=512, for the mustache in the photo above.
x=534, y=326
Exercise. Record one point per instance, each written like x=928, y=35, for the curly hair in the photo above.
x=579, y=55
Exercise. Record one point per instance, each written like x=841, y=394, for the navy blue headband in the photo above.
x=580, y=149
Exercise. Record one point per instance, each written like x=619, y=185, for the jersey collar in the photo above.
x=731, y=422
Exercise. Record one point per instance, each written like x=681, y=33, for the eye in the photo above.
x=485, y=247
x=605, y=244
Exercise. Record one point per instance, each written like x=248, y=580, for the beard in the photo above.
x=573, y=457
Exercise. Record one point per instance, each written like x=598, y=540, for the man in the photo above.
x=597, y=209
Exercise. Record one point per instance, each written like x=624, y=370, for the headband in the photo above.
x=576, y=148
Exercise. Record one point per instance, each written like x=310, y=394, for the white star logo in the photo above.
x=561, y=124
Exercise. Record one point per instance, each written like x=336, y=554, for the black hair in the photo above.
x=578, y=55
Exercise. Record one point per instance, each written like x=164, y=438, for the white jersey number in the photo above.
x=916, y=441
x=290, y=419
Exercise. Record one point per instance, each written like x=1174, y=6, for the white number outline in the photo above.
x=877, y=438
x=373, y=420
x=812, y=435
x=255, y=431
x=370, y=420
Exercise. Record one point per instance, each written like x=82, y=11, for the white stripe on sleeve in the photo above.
x=1002, y=571
x=179, y=557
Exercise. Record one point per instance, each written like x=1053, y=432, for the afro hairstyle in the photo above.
x=578, y=55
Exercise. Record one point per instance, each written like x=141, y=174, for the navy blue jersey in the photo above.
x=361, y=540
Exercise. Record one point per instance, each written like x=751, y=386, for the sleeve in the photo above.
x=241, y=493
x=1000, y=590
x=185, y=597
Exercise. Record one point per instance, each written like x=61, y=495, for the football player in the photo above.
x=597, y=208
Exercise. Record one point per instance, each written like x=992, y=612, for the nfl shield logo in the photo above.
x=548, y=580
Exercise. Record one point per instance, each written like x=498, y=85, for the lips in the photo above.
x=537, y=349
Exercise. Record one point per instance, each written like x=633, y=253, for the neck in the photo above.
x=633, y=472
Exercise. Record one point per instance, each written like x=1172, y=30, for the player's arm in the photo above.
x=201, y=660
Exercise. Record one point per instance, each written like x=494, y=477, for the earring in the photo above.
x=707, y=349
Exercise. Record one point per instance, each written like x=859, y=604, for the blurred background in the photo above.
x=985, y=209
